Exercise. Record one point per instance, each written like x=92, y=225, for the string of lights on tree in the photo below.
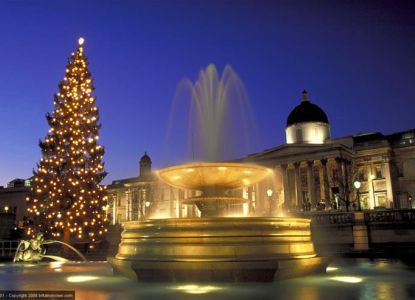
x=66, y=197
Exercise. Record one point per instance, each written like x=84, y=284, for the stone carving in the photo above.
x=34, y=250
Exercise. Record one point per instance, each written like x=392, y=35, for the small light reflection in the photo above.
x=197, y=289
x=55, y=264
x=347, y=279
x=331, y=269
x=81, y=278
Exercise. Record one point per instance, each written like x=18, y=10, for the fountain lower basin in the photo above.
x=217, y=249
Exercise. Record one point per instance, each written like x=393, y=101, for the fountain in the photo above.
x=34, y=251
x=215, y=247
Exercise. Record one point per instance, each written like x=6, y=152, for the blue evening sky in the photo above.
x=355, y=58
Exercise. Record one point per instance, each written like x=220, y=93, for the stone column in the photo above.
x=310, y=184
x=388, y=179
x=325, y=183
x=339, y=162
x=347, y=180
x=298, y=190
x=285, y=182
x=114, y=209
x=340, y=181
x=128, y=206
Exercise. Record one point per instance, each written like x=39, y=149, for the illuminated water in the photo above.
x=211, y=118
x=345, y=279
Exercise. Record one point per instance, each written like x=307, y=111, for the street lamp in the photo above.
x=357, y=184
x=6, y=208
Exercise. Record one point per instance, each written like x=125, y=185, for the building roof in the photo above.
x=306, y=112
x=145, y=158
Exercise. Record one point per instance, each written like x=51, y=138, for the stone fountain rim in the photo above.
x=206, y=165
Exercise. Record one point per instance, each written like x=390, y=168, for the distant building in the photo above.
x=13, y=197
x=313, y=171
x=319, y=172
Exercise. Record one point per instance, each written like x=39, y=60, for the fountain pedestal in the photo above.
x=217, y=249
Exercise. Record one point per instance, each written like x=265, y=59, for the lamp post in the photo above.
x=357, y=185
x=269, y=194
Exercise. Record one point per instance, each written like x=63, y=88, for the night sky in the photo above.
x=355, y=58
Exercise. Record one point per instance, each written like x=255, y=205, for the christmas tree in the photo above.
x=66, y=199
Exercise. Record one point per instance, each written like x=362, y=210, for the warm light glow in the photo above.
x=147, y=203
x=269, y=193
x=197, y=289
x=347, y=279
x=55, y=264
x=81, y=278
x=331, y=269
x=81, y=41
x=246, y=181
x=357, y=184
x=6, y=208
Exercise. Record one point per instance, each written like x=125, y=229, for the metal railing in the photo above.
x=370, y=216
x=398, y=215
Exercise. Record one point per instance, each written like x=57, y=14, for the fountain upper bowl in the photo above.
x=201, y=175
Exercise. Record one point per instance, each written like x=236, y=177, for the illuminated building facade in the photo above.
x=318, y=172
x=312, y=172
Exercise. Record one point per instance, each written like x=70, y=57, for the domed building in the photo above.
x=317, y=172
x=307, y=123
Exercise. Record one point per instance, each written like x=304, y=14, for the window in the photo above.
x=378, y=172
x=362, y=174
x=364, y=201
x=380, y=200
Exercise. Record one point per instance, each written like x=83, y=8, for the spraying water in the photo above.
x=211, y=119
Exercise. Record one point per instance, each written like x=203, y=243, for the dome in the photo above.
x=307, y=124
x=306, y=112
x=145, y=158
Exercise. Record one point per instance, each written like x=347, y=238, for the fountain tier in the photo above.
x=214, y=181
x=217, y=249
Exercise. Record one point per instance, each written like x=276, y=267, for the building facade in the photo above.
x=312, y=171
x=13, y=198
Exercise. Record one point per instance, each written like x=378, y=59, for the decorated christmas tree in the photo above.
x=66, y=199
